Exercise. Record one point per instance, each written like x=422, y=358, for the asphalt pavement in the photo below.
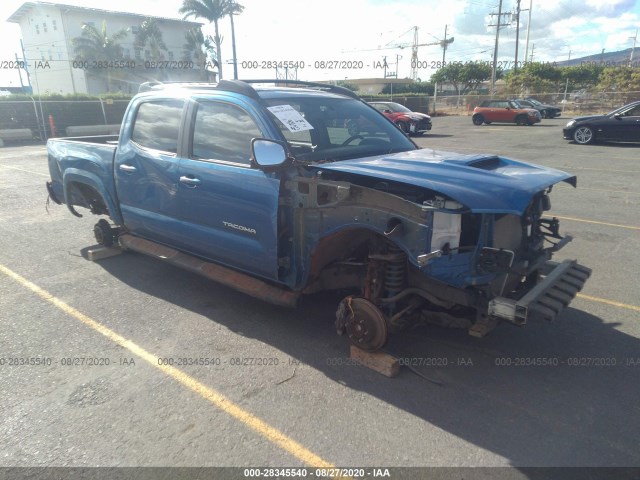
x=132, y=362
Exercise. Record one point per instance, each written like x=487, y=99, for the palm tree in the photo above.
x=234, y=8
x=213, y=11
x=192, y=50
x=95, y=45
x=150, y=35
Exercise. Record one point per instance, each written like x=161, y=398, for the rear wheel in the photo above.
x=583, y=135
x=521, y=120
x=544, y=114
x=477, y=119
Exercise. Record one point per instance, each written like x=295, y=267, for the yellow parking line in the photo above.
x=217, y=399
x=609, y=302
x=596, y=222
x=564, y=185
x=24, y=170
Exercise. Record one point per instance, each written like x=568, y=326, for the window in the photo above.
x=134, y=29
x=223, y=132
x=37, y=29
x=138, y=53
x=157, y=125
x=170, y=55
x=44, y=27
x=54, y=25
x=634, y=112
x=126, y=53
x=91, y=24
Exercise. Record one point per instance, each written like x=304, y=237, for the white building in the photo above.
x=48, y=30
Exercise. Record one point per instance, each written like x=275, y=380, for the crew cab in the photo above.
x=261, y=187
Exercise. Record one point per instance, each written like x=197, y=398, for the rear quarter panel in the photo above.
x=77, y=160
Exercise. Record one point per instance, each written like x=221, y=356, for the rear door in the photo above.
x=229, y=210
x=146, y=169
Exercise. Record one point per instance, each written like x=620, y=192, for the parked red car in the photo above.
x=413, y=123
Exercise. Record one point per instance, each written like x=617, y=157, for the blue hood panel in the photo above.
x=483, y=183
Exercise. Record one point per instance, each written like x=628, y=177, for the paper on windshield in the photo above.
x=290, y=118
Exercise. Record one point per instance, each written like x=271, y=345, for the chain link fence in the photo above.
x=32, y=120
x=24, y=120
x=572, y=104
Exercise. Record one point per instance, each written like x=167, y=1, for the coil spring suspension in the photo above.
x=395, y=271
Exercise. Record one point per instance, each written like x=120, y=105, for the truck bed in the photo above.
x=81, y=168
x=96, y=139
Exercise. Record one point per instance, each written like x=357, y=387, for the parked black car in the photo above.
x=546, y=111
x=622, y=125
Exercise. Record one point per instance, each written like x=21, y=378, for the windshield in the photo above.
x=396, y=107
x=319, y=129
x=535, y=102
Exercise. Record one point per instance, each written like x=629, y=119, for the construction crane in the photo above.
x=414, y=49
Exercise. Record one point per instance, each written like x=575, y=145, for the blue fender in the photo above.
x=74, y=175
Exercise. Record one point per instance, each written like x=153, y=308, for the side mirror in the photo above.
x=618, y=116
x=268, y=153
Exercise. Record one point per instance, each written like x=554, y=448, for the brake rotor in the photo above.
x=365, y=325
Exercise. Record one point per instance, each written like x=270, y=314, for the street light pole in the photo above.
x=233, y=47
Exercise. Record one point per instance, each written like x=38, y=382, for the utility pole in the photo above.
x=495, y=49
x=526, y=46
x=444, y=45
x=633, y=48
x=533, y=49
x=566, y=86
x=20, y=74
x=515, y=65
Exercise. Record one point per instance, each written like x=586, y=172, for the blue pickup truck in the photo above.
x=284, y=190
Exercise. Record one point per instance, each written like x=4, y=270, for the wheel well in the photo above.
x=84, y=195
x=339, y=246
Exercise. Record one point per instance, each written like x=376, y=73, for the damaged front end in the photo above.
x=414, y=254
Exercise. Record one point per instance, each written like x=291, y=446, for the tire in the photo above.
x=403, y=126
x=544, y=114
x=583, y=135
x=487, y=123
x=477, y=119
x=521, y=120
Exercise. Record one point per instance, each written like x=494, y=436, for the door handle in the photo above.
x=127, y=168
x=190, y=182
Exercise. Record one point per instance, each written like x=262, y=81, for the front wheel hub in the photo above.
x=364, y=323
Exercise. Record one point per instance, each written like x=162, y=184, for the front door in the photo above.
x=230, y=210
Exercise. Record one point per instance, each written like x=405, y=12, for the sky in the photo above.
x=361, y=33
